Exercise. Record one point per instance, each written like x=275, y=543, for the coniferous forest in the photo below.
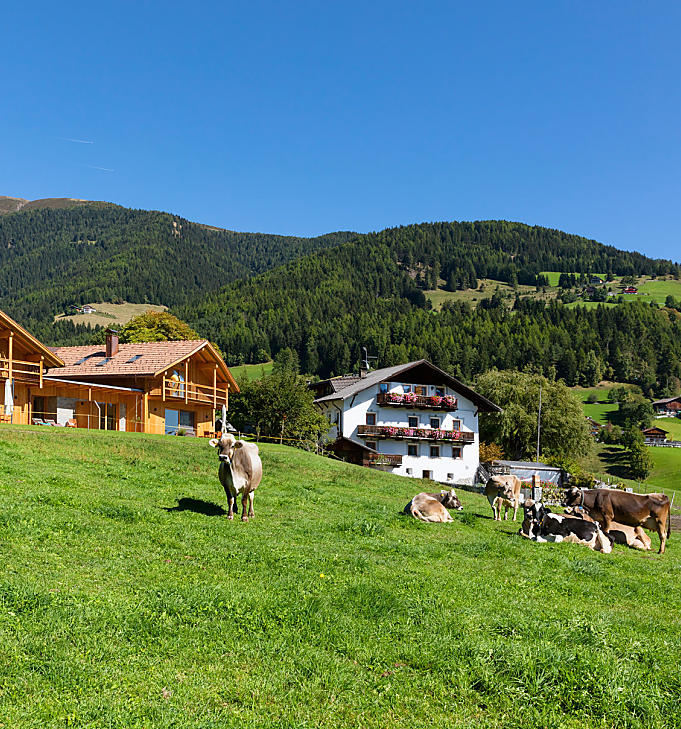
x=326, y=297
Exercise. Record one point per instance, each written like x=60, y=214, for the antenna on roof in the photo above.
x=364, y=367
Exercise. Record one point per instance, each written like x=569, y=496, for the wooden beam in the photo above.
x=164, y=386
x=42, y=366
x=215, y=387
x=146, y=411
x=11, y=343
x=186, y=381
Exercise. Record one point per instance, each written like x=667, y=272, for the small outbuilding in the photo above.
x=655, y=435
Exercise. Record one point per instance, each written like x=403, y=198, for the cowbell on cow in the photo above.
x=240, y=472
x=433, y=507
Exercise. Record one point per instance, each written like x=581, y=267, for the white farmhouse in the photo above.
x=412, y=420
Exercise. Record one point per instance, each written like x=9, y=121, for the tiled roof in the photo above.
x=356, y=384
x=155, y=356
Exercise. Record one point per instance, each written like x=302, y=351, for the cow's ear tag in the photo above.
x=239, y=444
x=213, y=442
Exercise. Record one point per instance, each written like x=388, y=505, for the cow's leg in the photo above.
x=251, y=496
x=641, y=537
x=515, y=509
x=662, y=533
x=244, y=507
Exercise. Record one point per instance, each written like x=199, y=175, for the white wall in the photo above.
x=445, y=468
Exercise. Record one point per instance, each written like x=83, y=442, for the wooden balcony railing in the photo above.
x=176, y=392
x=436, y=434
x=19, y=370
x=376, y=460
x=409, y=400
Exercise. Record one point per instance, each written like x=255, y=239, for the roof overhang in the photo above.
x=51, y=359
x=214, y=354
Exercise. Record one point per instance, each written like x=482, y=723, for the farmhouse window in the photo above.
x=457, y=452
x=434, y=451
x=427, y=474
x=420, y=390
x=413, y=421
x=456, y=425
x=412, y=450
x=409, y=472
x=406, y=388
x=435, y=423
x=371, y=419
x=440, y=391
x=383, y=387
x=372, y=444
x=450, y=477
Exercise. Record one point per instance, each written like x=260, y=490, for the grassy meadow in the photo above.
x=109, y=314
x=252, y=371
x=127, y=599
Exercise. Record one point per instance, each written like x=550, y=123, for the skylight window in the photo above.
x=103, y=362
x=87, y=357
x=134, y=359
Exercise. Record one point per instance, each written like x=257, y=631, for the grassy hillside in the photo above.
x=128, y=600
x=108, y=314
x=252, y=372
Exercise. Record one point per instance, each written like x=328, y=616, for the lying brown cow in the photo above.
x=433, y=507
x=503, y=491
x=607, y=506
x=633, y=537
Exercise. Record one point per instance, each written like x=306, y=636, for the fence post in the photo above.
x=536, y=488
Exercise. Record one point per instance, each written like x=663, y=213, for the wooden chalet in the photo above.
x=654, y=435
x=148, y=387
x=23, y=363
x=668, y=406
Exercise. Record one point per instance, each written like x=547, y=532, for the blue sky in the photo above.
x=306, y=117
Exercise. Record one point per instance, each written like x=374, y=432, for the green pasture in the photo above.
x=671, y=425
x=252, y=371
x=438, y=297
x=128, y=600
x=554, y=276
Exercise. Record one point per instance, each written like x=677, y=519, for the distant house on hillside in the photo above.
x=654, y=436
x=630, y=290
x=87, y=309
x=668, y=406
x=413, y=420
x=595, y=280
x=594, y=426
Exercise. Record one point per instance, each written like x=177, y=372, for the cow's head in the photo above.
x=573, y=497
x=450, y=500
x=535, y=511
x=226, y=447
x=506, y=492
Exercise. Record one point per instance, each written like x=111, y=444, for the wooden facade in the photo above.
x=150, y=387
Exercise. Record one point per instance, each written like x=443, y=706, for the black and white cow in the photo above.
x=541, y=525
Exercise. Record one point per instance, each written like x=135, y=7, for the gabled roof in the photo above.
x=650, y=431
x=29, y=341
x=141, y=359
x=388, y=373
x=665, y=400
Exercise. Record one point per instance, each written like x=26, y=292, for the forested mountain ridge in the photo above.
x=51, y=258
x=367, y=292
x=255, y=294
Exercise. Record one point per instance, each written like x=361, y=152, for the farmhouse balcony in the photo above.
x=21, y=371
x=377, y=460
x=409, y=400
x=389, y=431
x=176, y=391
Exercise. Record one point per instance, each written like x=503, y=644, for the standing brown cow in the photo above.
x=637, y=510
x=503, y=491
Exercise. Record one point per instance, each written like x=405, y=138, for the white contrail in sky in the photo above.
x=76, y=141
x=103, y=169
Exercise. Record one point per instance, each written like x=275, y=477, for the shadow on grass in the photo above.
x=198, y=506
x=614, y=458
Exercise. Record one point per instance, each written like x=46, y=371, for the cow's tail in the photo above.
x=669, y=522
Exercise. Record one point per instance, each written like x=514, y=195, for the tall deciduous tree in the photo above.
x=156, y=326
x=564, y=432
x=279, y=406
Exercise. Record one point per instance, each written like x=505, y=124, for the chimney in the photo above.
x=111, y=343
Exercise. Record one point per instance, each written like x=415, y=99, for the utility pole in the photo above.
x=539, y=423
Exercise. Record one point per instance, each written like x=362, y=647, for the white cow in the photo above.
x=240, y=472
x=504, y=491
